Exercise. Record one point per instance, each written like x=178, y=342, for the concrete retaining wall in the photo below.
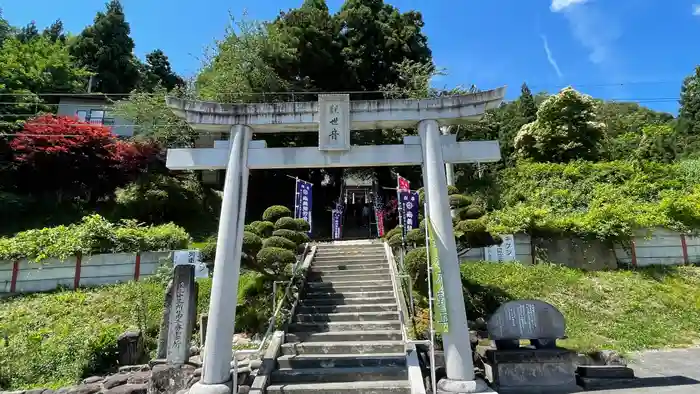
x=652, y=247
x=27, y=277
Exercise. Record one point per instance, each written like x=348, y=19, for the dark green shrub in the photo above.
x=302, y=225
x=471, y=212
x=280, y=242
x=251, y=243
x=452, y=190
x=415, y=236
x=389, y=234
x=286, y=223
x=415, y=264
x=275, y=259
x=460, y=200
x=294, y=236
x=275, y=212
x=208, y=251
x=264, y=229
x=395, y=240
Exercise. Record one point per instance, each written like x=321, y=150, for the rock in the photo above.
x=243, y=389
x=195, y=360
x=134, y=368
x=198, y=372
x=194, y=351
x=131, y=349
x=255, y=364
x=115, y=380
x=13, y=392
x=84, y=389
x=479, y=324
x=609, y=357
x=92, y=379
x=169, y=378
x=129, y=389
x=241, y=340
x=140, y=377
x=35, y=391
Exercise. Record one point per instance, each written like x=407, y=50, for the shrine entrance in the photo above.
x=332, y=117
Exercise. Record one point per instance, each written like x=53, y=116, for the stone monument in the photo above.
x=541, y=367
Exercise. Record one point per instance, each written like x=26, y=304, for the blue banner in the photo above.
x=302, y=202
x=409, y=210
x=335, y=225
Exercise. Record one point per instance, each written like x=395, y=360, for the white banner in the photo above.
x=503, y=252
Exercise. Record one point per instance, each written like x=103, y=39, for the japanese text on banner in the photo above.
x=441, y=322
x=303, y=202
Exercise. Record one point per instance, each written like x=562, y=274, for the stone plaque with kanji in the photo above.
x=334, y=122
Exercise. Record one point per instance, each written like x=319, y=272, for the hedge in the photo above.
x=302, y=225
x=294, y=236
x=275, y=212
x=93, y=234
x=286, y=223
x=280, y=242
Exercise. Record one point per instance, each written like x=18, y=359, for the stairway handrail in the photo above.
x=404, y=335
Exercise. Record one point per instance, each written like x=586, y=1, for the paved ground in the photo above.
x=664, y=372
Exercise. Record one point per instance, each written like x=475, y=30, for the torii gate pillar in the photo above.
x=431, y=149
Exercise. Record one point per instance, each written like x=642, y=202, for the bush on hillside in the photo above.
x=302, y=225
x=275, y=212
x=280, y=242
x=264, y=228
x=94, y=234
x=596, y=200
x=286, y=223
x=275, y=259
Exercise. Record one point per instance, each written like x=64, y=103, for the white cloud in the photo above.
x=559, y=5
x=696, y=9
x=594, y=29
x=550, y=57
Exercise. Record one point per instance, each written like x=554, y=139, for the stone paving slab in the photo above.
x=664, y=372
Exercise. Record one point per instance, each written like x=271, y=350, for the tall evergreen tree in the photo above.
x=528, y=108
x=55, y=32
x=689, y=110
x=28, y=32
x=156, y=71
x=106, y=49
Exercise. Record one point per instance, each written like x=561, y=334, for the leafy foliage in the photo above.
x=280, y=242
x=276, y=212
x=566, y=129
x=93, y=234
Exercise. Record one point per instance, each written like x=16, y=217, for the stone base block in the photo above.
x=223, y=388
x=605, y=372
x=529, y=370
x=449, y=386
x=607, y=383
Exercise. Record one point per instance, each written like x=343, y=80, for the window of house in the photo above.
x=82, y=115
x=97, y=116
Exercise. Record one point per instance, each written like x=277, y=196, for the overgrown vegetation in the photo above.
x=55, y=339
x=94, y=234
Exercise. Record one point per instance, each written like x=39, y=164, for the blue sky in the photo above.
x=613, y=49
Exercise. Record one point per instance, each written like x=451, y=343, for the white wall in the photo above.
x=523, y=251
x=99, y=269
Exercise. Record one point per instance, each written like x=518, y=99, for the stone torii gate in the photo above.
x=332, y=117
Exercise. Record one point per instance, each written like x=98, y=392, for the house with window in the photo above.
x=94, y=108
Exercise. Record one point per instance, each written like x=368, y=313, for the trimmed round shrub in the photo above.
x=264, y=229
x=471, y=226
x=302, y=225
x=415, y=236
x=286, y=223
x=471, y=212
x=421, y=196
x=421, y=225
x=250, y=229
x=460, y=200
x=392, y=232
x=415, y=263
x=395, y=240
x=208, y=251
x=294, y=236
x=275, y=212
x=252, y=243
x=475, y=234
x=452, y=190
x=275, y=259
x=279, y=242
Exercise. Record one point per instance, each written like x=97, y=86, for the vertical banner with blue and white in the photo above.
x=408, y=201
x=302, y=202
x=335, y=225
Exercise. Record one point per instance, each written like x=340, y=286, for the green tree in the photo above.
x=566, y=129
x=5, y=28
x=157, y=71
x=28, y=32
x=690, y=101
x=106, y=49
x=55, y=32
x=528, y=108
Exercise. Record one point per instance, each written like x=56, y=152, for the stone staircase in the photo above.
x=346, y=335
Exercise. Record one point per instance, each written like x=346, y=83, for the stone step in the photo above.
x=349, y=347
x=335, y=294
x=333, y=265
x=344, y=336
x=333, y=375
x=349, y=277
x=342, y=301
x=346, y=317
x=335, y=326
x=345, y=290
x=341, y=360
x=336, y=271
x=359, y=387
x=349, y=284
x=348, y=260
x=310, y=309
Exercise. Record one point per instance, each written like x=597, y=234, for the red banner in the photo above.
x=404, y=184
x=380, y=222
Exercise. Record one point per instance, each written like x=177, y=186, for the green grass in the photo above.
x=625, y=310
x=57, y=338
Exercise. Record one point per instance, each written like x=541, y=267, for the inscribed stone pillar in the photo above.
x=162, y=351
x=180, y=329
